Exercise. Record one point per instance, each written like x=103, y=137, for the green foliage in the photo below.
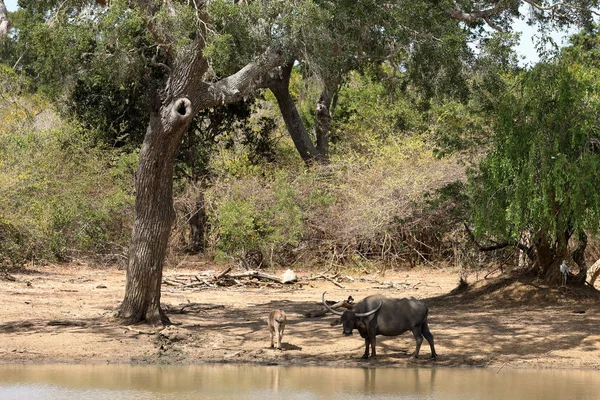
x=285, y=213
x=239, y=226
x=240, y=32
x=253, y=216
x=543, y=174
x=58, y=190
x=49, y=50
x=456, y=127
x=584, y=49
x=368, y=114
x=93, y=61
x=13, y=247
x=466, y=126
x=114, y=102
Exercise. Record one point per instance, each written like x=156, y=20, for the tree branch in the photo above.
x=498, y=246
x=555, y=6
x=155, y=63
x=148, y=10
x=493, y=25
x=474, y=16
x=238, y=86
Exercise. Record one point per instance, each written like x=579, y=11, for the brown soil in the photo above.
x=66, y=314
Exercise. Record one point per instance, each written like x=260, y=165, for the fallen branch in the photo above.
x=222, y=274
x=347, y=304
x=8, y=277
x=171, y=282
x=140, y=332
x=334, y=282
x=65, y=323
x=227, y=278
x=329, y=278
x=255, y=274
x=185, y=308
x=502, y=367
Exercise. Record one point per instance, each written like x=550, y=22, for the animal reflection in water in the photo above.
x=276, y=326
x=378, y=315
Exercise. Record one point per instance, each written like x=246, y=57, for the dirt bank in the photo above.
x=65, y=314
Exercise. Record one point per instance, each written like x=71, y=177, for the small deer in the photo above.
x=276, y=326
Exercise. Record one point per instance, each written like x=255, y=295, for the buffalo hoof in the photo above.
x=365, y=356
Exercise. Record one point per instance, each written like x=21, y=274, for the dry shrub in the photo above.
x=380, y=210
x=356, y=210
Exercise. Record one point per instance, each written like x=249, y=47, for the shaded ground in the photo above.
x=65, y=314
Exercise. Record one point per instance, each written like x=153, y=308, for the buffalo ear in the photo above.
x=336, y=321
x=360, y=325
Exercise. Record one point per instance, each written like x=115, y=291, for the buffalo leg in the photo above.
x=373, y=342
x=429, y=338
x=419, y=338
x=366, y=355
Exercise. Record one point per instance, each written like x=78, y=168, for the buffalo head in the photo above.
x=351, y=320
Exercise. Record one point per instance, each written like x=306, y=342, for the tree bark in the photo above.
x=279, y=84
x=579, y=257
x=549, y=256
x=154, y=214
x=324, y=113
x=323, y=124
x=4, y=21
x=594, y=272
x=197, y=224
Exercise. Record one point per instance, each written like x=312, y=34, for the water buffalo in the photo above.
x=378, y=315
x=276, y=326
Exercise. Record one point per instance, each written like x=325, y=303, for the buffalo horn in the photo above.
x=329, y=308
x=370, y=312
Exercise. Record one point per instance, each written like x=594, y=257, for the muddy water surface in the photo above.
x=124, y=382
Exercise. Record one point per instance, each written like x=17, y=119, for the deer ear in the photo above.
x=336, y=321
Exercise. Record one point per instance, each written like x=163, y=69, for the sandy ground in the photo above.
x=65, y=314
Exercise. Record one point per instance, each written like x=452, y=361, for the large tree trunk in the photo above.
x=154, y=213
x=324, y=113
x=279, y=83
x=323, y=124
x=183, y=95
x=593, y=273
x=549, y=255
x=4, y=21
x=579, y=257
x=197, y=222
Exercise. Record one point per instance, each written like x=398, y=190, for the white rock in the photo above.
x=289, y=276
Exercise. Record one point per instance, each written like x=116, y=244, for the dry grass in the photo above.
x=355, y=210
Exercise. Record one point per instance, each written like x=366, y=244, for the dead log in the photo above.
x=221, y=274
x=170, y=282
x=347, y=304
x=186, y=308
x=329, y=278
x=65, y=323
x=255, y=274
